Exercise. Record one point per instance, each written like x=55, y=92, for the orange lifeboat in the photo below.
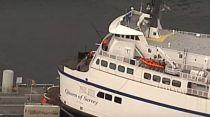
x=152, y=63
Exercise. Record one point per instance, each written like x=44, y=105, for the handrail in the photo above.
x=197, y=92
x=119, y=58
x=191, y=33
x=196, y=78
x=135, y=62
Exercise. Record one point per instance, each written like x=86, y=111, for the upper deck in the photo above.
x=180, y=40
x=176, y=40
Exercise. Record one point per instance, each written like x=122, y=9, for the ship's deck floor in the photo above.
x=179, y=40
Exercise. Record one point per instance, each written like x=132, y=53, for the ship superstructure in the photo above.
x=139, y=70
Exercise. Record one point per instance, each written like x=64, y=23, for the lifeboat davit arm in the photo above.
x=166, y=57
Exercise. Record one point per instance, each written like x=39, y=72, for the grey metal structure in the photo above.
x=12, y=104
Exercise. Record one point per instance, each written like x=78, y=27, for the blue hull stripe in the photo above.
x=135, y=97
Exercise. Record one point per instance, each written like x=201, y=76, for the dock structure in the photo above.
x=13, y=103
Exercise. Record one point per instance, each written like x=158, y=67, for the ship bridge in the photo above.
x=127, y=24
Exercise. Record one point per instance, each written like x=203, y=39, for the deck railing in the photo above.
x=199, y=79
x=201, y=35
x=135, y=62
x=197, y=93
x=119, y=58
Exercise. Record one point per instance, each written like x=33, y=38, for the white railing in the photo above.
x=135, y=62
x=119, y=58
x=191, y=33
x=197, y=92
x=194, y=77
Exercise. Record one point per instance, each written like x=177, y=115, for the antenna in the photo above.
x=141, y=6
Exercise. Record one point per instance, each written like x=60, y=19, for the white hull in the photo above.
x=138, y=99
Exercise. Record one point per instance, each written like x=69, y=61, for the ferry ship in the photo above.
x=140, y=69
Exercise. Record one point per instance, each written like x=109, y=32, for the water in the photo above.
x=35, y=35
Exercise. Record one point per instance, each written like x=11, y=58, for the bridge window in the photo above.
x=112, y=66
x=100, y=94
x=108, y=97
x=97, y=61
x=117, y=35
x=127, y=36
x=166, y=81
x=147, y=76
x=156, y=78
x=132, y=37
x=176, y=83
x=137, y=38
x=117, y=99
x=130, y=71
x=104, y=63
x=121, y=68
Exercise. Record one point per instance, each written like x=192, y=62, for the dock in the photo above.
x=13, y=103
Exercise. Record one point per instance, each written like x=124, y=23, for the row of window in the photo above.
x=113, y=66
x=166, y=81
x=128, y=36
x=109, y=97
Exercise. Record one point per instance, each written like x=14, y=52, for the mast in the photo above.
x=155, y=12
x=153, y=8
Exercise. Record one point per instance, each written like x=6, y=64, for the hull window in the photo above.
x=108, y=97
x=121, y=68
x=156, y=78
x=112, y=66
x=100, y=95
x=166, y=81
x=118, y=100
x=176, y=83
x=147, y=76
x=104, y=63
x=130, y=71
